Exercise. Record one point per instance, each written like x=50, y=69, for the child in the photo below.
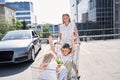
x=67, y=53
x=49, y=69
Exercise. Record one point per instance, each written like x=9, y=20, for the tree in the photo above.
x=39, y=32
x=46, y=31
x=24, y=25
x=5, y=26
x=18, y=25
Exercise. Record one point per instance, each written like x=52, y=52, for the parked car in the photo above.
x=19, y=46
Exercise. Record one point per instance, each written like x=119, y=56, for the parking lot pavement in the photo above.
x=44, y=50
x=100, y=60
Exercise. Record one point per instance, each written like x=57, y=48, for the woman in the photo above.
x=67, y=30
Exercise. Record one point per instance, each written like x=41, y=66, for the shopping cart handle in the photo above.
x=79, y=43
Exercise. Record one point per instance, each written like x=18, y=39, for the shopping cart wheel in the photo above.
x=78, y=78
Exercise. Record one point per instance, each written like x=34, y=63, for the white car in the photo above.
x=19, y=46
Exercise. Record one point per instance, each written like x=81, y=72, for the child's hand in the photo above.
x=58, y=42
x=50, y=39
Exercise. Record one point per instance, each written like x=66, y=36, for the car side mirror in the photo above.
x=35, y=36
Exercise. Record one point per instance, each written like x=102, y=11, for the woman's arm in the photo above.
x=73, y=45
x=76, y=33
x=51, y=45
x=59, y=36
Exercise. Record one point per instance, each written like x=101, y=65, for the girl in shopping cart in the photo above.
x=50, y=70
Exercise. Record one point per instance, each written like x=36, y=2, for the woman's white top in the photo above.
x=67, y=32
x=50, y=72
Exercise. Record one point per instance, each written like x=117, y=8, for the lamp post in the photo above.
x=77, y=11
x=114, y=16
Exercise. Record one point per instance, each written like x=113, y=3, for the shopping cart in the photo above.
x=39, y=74
x=49, y=74
x=76, y=61
x=35, y=70
x=42, y=74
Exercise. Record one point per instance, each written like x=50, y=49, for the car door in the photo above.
x=35, y=40
x=38, y=41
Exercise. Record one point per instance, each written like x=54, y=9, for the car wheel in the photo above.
x=32, y=52
x=47, y=41
x=39, y=46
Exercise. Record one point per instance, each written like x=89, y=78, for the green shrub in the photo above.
x=1, y=36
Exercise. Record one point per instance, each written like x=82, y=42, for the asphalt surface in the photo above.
x=21, y=71
x=99, y=60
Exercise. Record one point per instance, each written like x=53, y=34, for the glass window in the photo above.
x=38, y=27
x=51, y=28
x=56, y=28
x=23, y=18
x=34, y=34
x=25, y=13
x=19, y=6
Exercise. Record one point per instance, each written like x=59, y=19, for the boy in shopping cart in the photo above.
x=66, y=53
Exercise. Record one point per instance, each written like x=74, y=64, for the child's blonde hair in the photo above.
x=46, y=60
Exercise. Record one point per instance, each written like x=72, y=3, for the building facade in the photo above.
x=24, y=11
x=82, y=9
x=3, y=1
x=74, y=10
x=78, y=7
x=7, y=14
x=101, y=11
x=103, y=15
x=84, y=17
x=117, y=16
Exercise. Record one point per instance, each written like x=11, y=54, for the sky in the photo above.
x=49, y=11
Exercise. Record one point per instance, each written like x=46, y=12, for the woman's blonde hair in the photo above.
x=65, y=15
x=46, y=60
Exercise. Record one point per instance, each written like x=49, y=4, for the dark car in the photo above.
x=19, y=46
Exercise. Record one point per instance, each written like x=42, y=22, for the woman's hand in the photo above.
x=72, y=39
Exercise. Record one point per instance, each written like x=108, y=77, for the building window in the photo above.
x=25, y=13
x=23, y=18
x=2, y=1
x=116, y=15
x=20, y=6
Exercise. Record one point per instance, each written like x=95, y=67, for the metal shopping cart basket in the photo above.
x=35, y=70
x=49, y=74
x=37, y=73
